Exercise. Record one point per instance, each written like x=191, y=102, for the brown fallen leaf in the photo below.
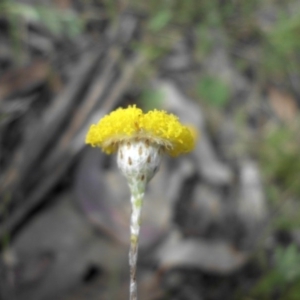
x=283, y=104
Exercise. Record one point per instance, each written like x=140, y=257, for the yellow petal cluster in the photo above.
x=131, y=123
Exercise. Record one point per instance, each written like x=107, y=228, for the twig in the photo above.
x=69, y=146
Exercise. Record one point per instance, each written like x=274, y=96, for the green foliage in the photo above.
x=160, y=20
x=280, y=164
x=277, y=47
x=288, y=218
x=284, y=278
x=58, y=22
x=267, y=284
x=214, y=91
x=204, y=41
x=281, y=45
x=152, y=51
x=280, y=160
x=283, y=37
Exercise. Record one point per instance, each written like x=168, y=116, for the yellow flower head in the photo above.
x=156, y=127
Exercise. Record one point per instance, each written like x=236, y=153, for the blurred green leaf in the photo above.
x=58, y=22
x=214, y=91
x=288, y=262
x=284, y=35
x=293, y=292
x=27, y=12
x=279, y=158
x=284, y=277
x=266, y=286
x=160, y=20
x=204, y=41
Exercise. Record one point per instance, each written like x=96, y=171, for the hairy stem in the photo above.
x=137, y=195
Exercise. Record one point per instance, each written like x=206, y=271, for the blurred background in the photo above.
x=219, y=223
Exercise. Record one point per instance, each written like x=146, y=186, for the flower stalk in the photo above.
x=137, y=197
x=138, y=160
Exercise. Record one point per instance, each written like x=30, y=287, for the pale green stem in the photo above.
x=137, y=189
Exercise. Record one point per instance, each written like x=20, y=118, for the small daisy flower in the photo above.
x=140, y=141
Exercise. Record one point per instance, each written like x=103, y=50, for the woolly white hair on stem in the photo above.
x=138, y=161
